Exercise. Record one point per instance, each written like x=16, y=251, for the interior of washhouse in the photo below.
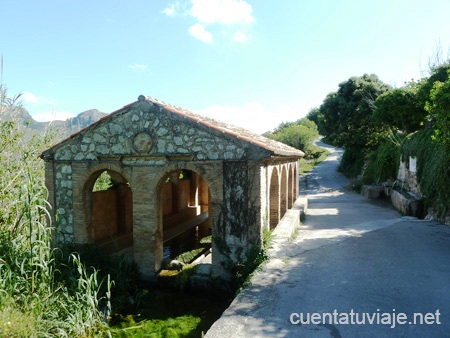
x=185, y=220
x=112, y=212
x=186, y=228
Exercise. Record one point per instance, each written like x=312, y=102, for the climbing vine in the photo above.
x=433, y=168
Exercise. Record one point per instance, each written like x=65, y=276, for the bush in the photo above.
x=352, y=162
x=382, y=163
x=35, y=300
x=433, y=168
x=300, y=134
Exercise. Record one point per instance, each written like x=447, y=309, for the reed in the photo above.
x=36, y=300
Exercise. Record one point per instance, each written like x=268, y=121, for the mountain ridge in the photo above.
x=64, y=127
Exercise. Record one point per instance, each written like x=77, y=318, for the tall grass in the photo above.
x=36, y=300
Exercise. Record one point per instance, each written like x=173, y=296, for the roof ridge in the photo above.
x=276, y=147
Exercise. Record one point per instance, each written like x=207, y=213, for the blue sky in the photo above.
x=251, y=63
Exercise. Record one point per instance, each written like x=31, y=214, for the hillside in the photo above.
x=64, y=128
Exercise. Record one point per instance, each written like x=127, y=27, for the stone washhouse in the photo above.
x=171, y=170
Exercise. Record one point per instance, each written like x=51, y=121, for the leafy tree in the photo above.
x=301, y=122
x=348, y=119
x=297, y=136
x=400, y=109
x=438, y=74
x=439, y=106
x=434, y=95
x=315, y=116
x=347, y=114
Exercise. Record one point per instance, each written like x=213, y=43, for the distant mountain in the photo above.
x=64, y=128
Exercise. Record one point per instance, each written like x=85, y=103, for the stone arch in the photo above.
x=283, y=191
x=295, y=180
x=291, y=186
x=274, y=197
x=108, y=214
x=196, y=205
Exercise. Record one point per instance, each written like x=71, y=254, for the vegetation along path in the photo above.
x=353, y=261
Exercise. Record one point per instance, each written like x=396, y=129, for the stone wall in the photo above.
x=141, y=135
x=407, y=176
x=141, y=145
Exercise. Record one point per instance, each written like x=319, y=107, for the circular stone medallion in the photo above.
x=142, y=142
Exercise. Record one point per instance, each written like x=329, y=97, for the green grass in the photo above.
x=308, y=164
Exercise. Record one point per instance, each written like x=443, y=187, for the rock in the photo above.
x=172, y=265
x=372, y=191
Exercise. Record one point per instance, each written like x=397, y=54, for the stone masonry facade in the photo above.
x=145, y=141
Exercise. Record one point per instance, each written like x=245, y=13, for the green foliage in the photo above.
x=299, y=134
x=433, y=168
x=171, y=314
x=188, y=256
x=439, y=105
x=118, y=268
x=181, y=326
x=103, y=182
x=352, y=162
x=35, y=301
x=317, y=155
x=438, y=74
x=347, y=114
x=317, y=117
x=383, y=163
x=296, y=136
x=347, y=120
x=399, y=109
x=255, y=257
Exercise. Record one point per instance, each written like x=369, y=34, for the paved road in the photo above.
x=352, y=258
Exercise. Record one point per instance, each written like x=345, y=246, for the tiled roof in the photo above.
x=277, y=148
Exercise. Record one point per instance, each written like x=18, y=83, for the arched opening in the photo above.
x=109, y=209
x=295, y=181
x=283, y=192
x=291, y=186
x=274, y=196
x=186, y=230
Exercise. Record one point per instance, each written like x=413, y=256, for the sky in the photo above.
x=253, y=63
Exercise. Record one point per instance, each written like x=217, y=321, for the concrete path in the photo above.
x=353, y=260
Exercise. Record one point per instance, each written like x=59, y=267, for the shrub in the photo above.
x=433, y=168
x=382, y=163
x=34, y=301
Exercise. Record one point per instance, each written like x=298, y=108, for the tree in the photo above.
x=297, y=136
x=400, y=109
x=315, y=116
x=348, y=113
x=439, y=73
x=348, y=119
x=439, y=106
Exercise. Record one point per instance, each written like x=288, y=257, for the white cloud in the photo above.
x=227, y=12
x=252, y=116
x=45, y=116
x=31, y=98
x=175, y=8
x=233, y=14
x=169, y=11
x=198, y=31
x=42, y=108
